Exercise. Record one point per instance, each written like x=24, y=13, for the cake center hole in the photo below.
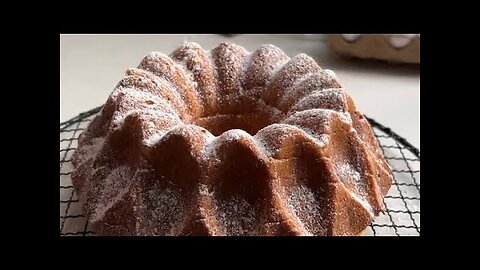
x=250, y=122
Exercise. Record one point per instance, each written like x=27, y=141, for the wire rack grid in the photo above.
x=402, y=216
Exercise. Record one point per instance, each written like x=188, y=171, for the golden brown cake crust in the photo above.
x=228, y=142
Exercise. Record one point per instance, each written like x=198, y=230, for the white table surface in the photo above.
x=91, y=66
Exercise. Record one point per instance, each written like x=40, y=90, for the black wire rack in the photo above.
x=402, y=202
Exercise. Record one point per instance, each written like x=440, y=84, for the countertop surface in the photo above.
x=91, y=66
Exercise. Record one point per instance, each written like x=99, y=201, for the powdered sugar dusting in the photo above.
x=320, y=116
x=164, y=208
x=143, y=102
x=235, y=134
x=236, y=215
x=297, y=69
x=164, y=67
x=89, y=151
x=108, y=190
x=229, y=62
x=269, y=138
x=210, y=144
x=317, y=81
x=298, y=86
x=362, y=200
x=264, y=64
x=323, y=139
x=278, y=68
x=264, y=147
x=156, y=137
x=163, y=87
x=315, y=122
x=203, y=190
x=190, y=73
x=332, y=99
x=348, y=172
x=354, y=183
x=153, y=140
x=296, y=82
x=306, y=205
x=243, y=71
x=209, y=138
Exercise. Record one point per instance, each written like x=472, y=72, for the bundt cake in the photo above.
x=229, y=142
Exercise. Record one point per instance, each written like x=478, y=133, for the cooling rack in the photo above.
x=402, y=216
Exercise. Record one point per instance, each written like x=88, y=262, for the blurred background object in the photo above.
x=393, y=48
x=92, y=65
